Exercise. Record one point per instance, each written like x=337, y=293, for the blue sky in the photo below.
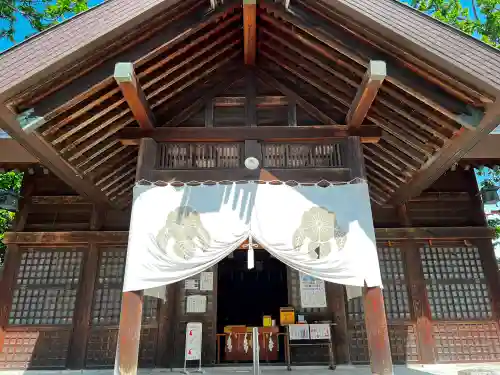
x=23, y=29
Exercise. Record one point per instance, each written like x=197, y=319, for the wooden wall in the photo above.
x=61, y=289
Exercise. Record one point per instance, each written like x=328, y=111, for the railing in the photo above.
x=296, y=155
x=199, y=155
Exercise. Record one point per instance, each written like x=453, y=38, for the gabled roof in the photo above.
x=440, y=97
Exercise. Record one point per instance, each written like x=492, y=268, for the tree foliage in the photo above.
x=40, y=14
x=8, y=181
x=482, y=19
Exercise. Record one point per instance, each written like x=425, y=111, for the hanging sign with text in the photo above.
x=193, y=341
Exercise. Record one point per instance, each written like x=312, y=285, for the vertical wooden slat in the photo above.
x=7, y=283
x=421, y=310
x=83, y=308
x=165, y=327
x=373, y=299
x=209, y=113
x=131, y=311
x=292, y=112
x=337, y=306
x=250, y=98
x=12, y=259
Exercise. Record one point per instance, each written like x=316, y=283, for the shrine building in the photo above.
x=261, y=99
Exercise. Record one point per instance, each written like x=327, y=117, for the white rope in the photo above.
x=320, y=183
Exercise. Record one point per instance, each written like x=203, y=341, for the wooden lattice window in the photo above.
x=199, y=155
x=46, y=288
x=279, y=155
x=456, y=285
x=395, y=291
x=108, y=291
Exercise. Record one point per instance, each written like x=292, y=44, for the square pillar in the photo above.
x=373, y=299
x=129, y=334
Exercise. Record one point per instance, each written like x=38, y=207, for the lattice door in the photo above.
x=464, y=329
x=402, y=331
x=43, y=305
x=106, y=308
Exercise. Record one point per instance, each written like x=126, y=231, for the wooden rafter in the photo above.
x=198, y=104
x=361, y=53
x=448, y=156
x=368, y=134
x=286, y=90
x=367, y=92
x=39, y=148
x=250, y=30
x=134, y=95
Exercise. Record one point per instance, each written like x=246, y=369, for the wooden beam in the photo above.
x=134, y=95
x=61, y=238
x=443, y=160
x=262, y=101
x=367, y=92
x=59, y=199
x=12, y=153
x=121, y=237
x=250, y=30
x=319, y=133
x=434, y=233
x=310, y=175
x=50, y=158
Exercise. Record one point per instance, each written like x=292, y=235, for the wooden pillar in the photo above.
x=129, y=334
x=164, y=352
x=336, y=305
x=421, y=310
x=7, y=284
x=373, y=299
x=12, y=259
x=83, y=308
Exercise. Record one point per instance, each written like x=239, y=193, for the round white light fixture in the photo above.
x=252, y=163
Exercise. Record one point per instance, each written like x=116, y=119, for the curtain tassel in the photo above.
x=250, y=254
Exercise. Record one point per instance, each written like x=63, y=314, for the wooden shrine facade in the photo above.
x=187, y=90
x=64, y=269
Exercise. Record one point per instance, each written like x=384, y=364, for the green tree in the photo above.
x=8, y=181
x=41, y=14
x=482, y=19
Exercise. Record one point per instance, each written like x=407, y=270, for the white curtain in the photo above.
x=177, y=232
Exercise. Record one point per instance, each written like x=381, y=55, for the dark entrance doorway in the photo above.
x=244, y=296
